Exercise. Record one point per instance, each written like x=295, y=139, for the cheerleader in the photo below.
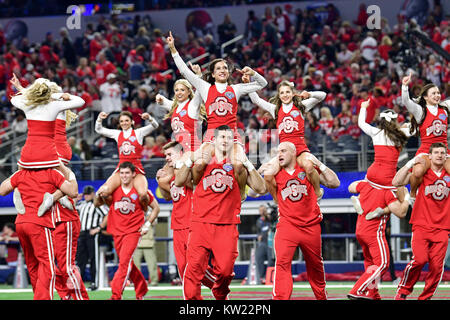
x=429, y=121
x=221, y=98
x=129, y=143
x=388, y=140
x=289, y=108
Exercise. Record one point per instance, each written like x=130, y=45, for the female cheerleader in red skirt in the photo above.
x=429, y=122
x=388, y=140
x=221, y=100
x=129, y=143
x=288, y=108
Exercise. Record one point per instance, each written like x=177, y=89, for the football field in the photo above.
x=301, y=291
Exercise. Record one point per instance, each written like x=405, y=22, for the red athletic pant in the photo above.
x=68, y=277
x=180, y=239
x=205, y=239
x=37, y=246
x=125, y=245
x=287, y=238
x=376, y=261
x=428, y=245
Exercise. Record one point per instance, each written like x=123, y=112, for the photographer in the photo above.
x=263, y=250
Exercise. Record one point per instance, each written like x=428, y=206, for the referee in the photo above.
x=88, y=250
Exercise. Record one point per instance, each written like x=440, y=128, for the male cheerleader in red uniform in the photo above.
x=371, y=234
x=69, y=284
x=430, y=221
x=216, y=213
x=298, y=225
x=182, y=208
x=35, y=232
x=126, y=222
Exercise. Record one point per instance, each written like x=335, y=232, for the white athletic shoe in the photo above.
x=46, y=204
x=17, y=199
x=357, y=205
x=378, y=212
x=65, y=202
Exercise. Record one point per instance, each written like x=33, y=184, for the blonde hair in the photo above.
x=36, y=94
x=185, y=83
x=54, y=88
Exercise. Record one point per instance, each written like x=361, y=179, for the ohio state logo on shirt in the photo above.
x=218, y=181
x=177, y=125
x=176, y=192
x=127, y=148
x=288, y=125
x=221, y=106
x=438, y=190
x=294, y=190
x=125, y=206
x=437, y=128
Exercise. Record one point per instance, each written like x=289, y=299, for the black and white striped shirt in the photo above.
x=90, y=216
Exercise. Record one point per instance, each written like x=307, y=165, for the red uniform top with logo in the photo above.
x=433, y=129
x=221, y=109
x=217, y=197
x=297, y=201
x=62, y=147
x=291, y=128
x=185, y=129
x=384, y=167
x=182, y=206
x=125, y=213
x=39, y=150
x=432, y=206
x=130, y=150
x=372, y=198
x=47, y=180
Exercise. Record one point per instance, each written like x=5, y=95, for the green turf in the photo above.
x=302, y=291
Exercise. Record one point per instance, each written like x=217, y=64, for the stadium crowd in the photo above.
x=342, y=58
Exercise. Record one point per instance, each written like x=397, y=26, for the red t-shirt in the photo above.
x=297, y=201
x=432, y=206
x=125, y=214
x=370, y=199
x=182, y=206
x=32, y=185
x=217, y=198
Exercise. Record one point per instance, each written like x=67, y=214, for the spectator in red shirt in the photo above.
x=385, y=47
x=103, y=68
x=158, y=61
x=361, y=20
x=326, y=120
x=84, y=70
x=353, y=129
x=157, y=149
x=95, y=46
x=345, y=116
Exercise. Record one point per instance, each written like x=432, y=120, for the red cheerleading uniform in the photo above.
x=39, y=150
x=298, y=226
x=371, y=236
x=430, y=221
x=125, y=218
x=383, y=169
x=35, y=233
x=69, y=283
x=130, y=150
x=433, y=129
x=291, y=128
x=213, y=230
x=221, y=109
x=62, y=147
x=185, y=129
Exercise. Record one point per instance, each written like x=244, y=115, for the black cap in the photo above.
x=88, y=190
